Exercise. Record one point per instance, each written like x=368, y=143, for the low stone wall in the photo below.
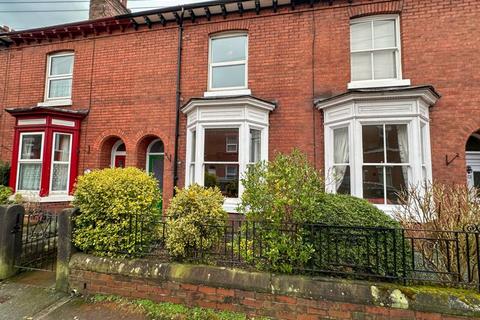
x=278, y=296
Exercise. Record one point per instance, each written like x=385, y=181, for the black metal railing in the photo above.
x=450, y=258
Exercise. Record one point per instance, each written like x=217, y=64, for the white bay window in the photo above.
x=224, y=136
x=376, y=142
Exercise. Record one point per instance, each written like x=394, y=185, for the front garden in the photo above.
x=286, y=224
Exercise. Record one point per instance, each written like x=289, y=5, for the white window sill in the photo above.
x=34, y=197
x=56, y=103
x=226, y=93
x=230, y=205
x=389, y=209
x=378, y=84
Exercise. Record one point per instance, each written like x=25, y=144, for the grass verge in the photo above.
x=172, y=311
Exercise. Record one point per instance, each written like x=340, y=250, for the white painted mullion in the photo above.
x=357, y=170
x=199, y=155
x=243, y=150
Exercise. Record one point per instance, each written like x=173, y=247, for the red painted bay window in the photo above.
x=45, y=151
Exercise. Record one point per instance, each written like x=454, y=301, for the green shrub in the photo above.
x=4, y=173
x=346, y=210
x=195, y=220
x=284, y=197
x=5, y=193
x=281, y=191
x=118, y=208
x=358, y=247
x=280, y=194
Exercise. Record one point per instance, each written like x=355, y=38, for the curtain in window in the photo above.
x=29, y=176
x=60, y=177
x=340, y=154
x=403, y=148
x=60, y=88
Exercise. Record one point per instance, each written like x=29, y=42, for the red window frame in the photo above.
x=49, y=128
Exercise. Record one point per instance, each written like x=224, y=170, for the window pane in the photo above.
x=397, y=143
x=215, y=145
x=61, y=65
x=194, y=146
x=423, y=142
x=232, y=144
x=121, y=147
x=340, y=145
x=29, y=176
x=361, y=36
x=396, y=182
x=228, y=49
x=373, y=188
x=228, y=76
x=384, y=65
x=192, y=173
x=384, y=34
x=361, y=66
x=223, y=176
x=342, y=179
x=31, y=147
x=372, y=140
x=60, y=177
x=255, y=145
x=61, y=150
x=60, y=88
x=157, y=147
x=476, y=179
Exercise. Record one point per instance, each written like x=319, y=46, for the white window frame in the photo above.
x=398, y=80
x=36, y=161
x=229, y=144
x=408, y=165
x=355, y=139
x=117, y=153
x=230, y=204
x=49, y=78
x=52, y=192
x=211, y=64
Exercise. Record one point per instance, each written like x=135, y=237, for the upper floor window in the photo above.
x=228, y=62
x=59, y=76
x=375, y=52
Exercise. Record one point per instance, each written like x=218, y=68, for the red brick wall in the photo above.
x=250, y=302
x=128, y=79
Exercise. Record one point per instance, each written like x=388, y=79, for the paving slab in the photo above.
x=79, y=309
x=27, y=297
x=32, y=296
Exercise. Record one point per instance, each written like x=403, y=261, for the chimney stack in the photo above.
x=107, y=8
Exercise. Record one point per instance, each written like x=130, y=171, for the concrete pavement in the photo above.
x=31, y=296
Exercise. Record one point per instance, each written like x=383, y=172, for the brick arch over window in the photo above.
x=141, y=149
x=362, y=10
x=105, y=150
x=241, y=25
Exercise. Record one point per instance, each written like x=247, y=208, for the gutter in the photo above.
x=178, y=100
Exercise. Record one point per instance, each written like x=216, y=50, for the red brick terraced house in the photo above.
x=380, y=94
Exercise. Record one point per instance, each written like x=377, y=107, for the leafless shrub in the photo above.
x=439, y=212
